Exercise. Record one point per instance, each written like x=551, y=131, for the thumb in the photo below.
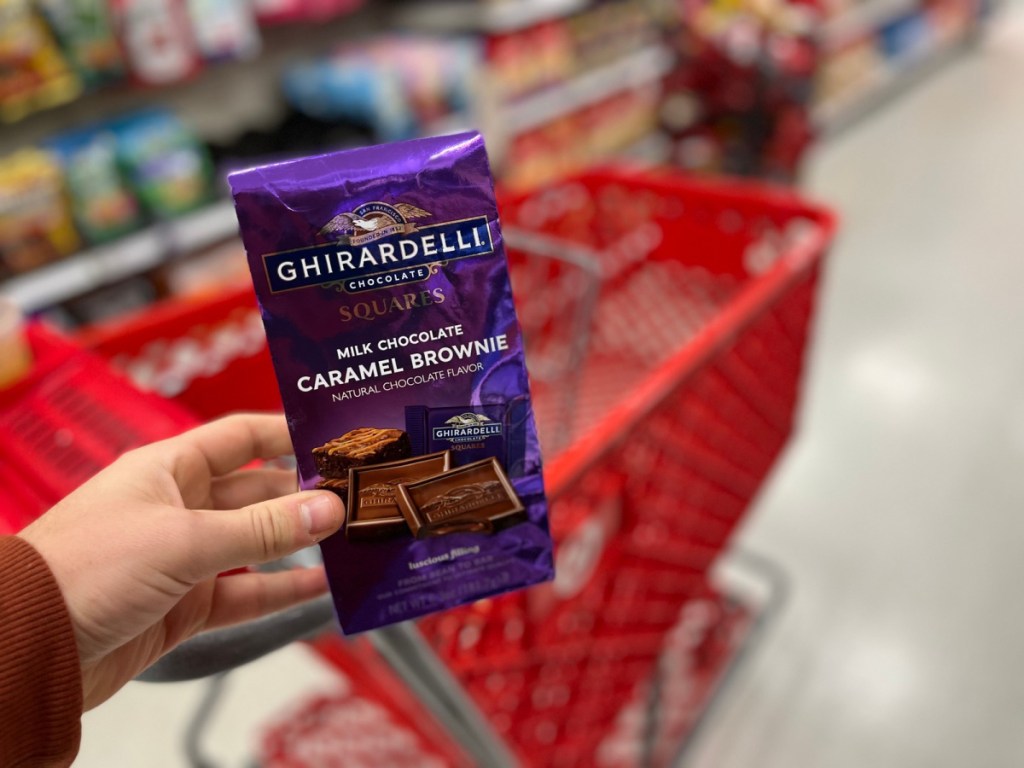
x=266, y=531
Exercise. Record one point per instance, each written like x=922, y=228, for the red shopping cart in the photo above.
x=686, y=395
x=70, y=417
x=208, y=353
x=665, y=323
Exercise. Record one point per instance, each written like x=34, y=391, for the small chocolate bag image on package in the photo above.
x=383, y=285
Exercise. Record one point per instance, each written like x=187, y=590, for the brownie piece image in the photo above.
x=373, y=511
x=338, y=485
x=359, y=448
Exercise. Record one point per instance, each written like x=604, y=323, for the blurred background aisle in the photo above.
x=894, y=511
x=897, y=513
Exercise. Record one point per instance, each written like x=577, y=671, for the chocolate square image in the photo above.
x=372, y=509
x=475, y=498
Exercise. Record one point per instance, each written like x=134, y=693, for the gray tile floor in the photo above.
x=898, y=514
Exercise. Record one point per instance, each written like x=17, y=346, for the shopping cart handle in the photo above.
x=225, y=649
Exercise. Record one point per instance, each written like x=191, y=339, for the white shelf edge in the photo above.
x=630, y=71
x=205, y=227
x=444, y=126
x=485, y=17
x=135, y=253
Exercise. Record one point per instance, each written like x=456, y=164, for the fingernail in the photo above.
x=318, y=514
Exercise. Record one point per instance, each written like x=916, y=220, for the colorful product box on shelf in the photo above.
x=225, y=29
x=396, y=85
x=35, y=219
x=167, y=166
x=580, y=139
x=85, y=31
x=546, y=54
x=102, y=201
x=383, y=283
x=157, y=39
x=33, y=73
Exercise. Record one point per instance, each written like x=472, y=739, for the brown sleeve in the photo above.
x=40, y=678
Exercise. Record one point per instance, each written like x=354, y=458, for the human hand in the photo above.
x=136, y=550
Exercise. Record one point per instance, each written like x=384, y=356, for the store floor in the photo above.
x=898, y=514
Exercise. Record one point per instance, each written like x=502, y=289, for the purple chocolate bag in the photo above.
x=383, y=284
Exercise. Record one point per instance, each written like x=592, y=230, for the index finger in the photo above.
x=233, y=441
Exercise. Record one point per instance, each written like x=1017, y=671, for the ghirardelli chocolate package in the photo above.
x=383, y=284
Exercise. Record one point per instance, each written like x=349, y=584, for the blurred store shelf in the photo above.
x=106, y=264
x=632, y=71
x=653, y=149
x=257, y=104
x=203, y=228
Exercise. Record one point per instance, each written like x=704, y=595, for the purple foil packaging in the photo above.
x=383, y=284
